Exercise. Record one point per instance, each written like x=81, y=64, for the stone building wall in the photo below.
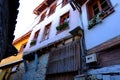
x=18, y=74
x=31, y=74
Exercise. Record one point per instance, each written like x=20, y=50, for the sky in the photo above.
x=25, y=16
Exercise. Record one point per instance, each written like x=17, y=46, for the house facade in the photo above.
x=51, y=36
x=12, y=67
x=102, y=37
x=71, y=37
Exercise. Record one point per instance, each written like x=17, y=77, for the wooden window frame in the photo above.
x=43, y=16
x=64, y=18
x=34, y=40
x=36, y=34
x=46, y=32
x=22, y=47
x=52, y=9
x=107, y=12
x=64, y=2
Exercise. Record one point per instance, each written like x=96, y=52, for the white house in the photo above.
x=102, y=37
x=56, y=37
x=67, y=30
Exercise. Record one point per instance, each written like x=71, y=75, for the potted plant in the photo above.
x=65, y=24
x=59, y=27
x=33, y=42
x=96, y=19
x=62, y=26
x=91, y=23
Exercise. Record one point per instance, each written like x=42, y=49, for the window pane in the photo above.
x=104, y=5
x=22, y=47
x=64, y=2
x=36, y=34
x=43, y=16
x=95, y=6
x=64, y=18
x=46, y=31
x=95, y=9
x=52, y=9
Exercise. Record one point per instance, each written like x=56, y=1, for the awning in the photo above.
x=11, y=60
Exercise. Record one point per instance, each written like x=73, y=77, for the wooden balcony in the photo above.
x=42, y=6
x=49, y=2
x=81, y=2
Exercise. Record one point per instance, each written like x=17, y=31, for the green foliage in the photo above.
x=33, y=42
x=62, y=27
x=65, y=24
x=91, y=23
x=95, y=20
x=59, y=27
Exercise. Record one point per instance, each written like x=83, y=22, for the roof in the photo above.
x=11, y=60
x=42, y=6
x=22, y=37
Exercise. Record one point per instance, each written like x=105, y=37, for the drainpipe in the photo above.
x=82, y=56
x=75, y=6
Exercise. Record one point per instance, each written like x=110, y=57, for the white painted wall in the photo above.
x=54, y=18
x=100, y=33
x=104, y=31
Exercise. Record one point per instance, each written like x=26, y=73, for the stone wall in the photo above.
x=31, y=74
x=18, y=74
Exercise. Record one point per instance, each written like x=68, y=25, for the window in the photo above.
x=64, y=18
x=36, y=34
x=43, y=16
x=97, y=6
x=64, y=2
x=52, y=9
x=64, y=23
x=98, y=10
x=22, y=47
x=46, y=32
x=33, y=42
